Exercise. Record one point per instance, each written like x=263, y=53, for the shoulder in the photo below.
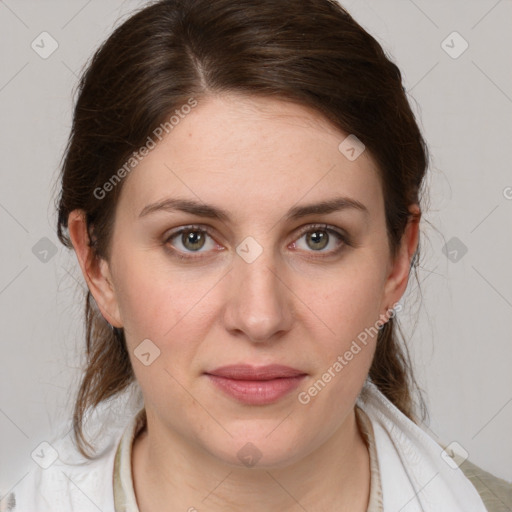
x=62, y=480
x=495, y=492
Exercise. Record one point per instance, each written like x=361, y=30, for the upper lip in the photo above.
x=249, y=372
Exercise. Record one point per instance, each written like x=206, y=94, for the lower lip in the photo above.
x=257, y=392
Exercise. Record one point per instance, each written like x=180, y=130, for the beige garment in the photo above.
x=495, y=492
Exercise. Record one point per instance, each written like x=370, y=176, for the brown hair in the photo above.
x=308, y=51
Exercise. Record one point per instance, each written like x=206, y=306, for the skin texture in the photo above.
x=297, y=304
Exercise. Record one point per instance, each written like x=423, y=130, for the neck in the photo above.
x=171, y=474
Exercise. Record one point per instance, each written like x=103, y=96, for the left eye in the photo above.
x=319, y=237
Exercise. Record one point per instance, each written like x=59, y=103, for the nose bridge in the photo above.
x=260, y=305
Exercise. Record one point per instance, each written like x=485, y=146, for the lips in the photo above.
x=248, y=372
x=256, y=385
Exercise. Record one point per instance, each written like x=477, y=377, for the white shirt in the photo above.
x=73, y=483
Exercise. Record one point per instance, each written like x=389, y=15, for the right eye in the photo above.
x=190, y=239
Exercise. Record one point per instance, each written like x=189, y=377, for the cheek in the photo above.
x=352, y=300
x=345, y=351
x=145, y=303
x=159, y=307
x=349, y=308
x=163, y=302
x=148, y=306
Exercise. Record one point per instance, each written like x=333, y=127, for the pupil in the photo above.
x=319, y=236
x=193, y=237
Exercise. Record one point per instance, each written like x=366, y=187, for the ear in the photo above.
x=398, y=274
x=96, y=270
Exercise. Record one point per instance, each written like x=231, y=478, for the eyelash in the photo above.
x=346, y=241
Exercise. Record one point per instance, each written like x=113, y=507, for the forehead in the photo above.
x=254, y=154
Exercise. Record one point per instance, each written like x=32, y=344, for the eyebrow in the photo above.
x=205, y=210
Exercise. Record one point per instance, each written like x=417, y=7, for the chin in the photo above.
x=258, y=451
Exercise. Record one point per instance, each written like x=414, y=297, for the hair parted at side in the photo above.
x=311, y=52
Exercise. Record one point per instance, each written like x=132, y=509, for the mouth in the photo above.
x=256, y=385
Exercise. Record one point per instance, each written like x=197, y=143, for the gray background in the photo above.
x=461, y=341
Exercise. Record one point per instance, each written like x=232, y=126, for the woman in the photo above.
x=242, y=191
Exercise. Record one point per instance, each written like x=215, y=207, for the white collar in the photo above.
x=414, y=474
x=124, y=493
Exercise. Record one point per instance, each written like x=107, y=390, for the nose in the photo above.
x=260, y=304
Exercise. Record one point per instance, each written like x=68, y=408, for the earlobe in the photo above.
x=95, y=270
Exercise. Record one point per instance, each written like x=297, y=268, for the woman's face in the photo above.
x=260, y=286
